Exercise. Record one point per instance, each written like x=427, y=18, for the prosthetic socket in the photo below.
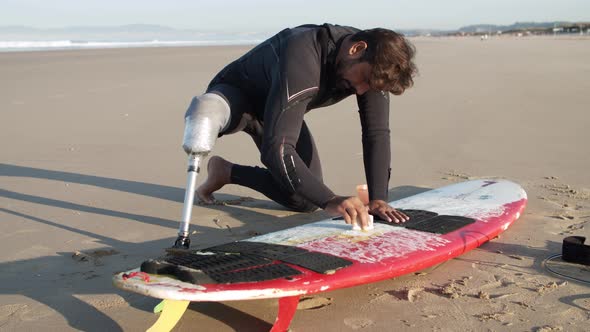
x=207, y=116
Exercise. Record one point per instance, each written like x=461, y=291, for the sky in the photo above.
x=272, y=15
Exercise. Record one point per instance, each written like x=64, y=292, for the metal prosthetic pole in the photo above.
x=183, y=241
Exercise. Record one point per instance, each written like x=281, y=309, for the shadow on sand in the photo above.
x=68, y=287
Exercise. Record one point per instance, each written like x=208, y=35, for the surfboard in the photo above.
x=328, y=254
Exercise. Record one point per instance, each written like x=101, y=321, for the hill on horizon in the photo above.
x=134, y=32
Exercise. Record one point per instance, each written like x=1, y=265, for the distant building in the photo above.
x=533, y=30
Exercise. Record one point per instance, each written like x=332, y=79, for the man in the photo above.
x=267, y=92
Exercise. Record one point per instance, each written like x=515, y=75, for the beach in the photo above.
x=92, y=178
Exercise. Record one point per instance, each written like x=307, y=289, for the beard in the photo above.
x=342, y=86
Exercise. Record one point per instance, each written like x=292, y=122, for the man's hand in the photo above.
x=351, y=208
x=386, y=212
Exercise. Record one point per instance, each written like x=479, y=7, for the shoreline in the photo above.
x=195, y=44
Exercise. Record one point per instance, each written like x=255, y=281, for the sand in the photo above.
x=92, y=179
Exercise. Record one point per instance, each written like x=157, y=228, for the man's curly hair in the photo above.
x=391, y=56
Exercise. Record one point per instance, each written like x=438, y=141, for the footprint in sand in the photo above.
x=11, y=309
x=358, y=323
x=409, y=294
x=311, y=303
x=93, y=256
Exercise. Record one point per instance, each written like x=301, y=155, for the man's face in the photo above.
x=353, y=76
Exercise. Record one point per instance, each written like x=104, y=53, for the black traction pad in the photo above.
x=183, y=273
x=217, y=263
x=427, y=221
x=442, y=224
x=236, y=247
x=318, y=262
x=265, y=272
x=315, y=261
x=416, y=216
x=242, y=261
x=204, y=268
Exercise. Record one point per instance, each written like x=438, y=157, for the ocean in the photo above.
x=18, y=46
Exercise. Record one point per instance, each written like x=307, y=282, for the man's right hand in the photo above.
x=351, y=208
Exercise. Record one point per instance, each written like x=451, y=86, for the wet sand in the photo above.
x=92, y=180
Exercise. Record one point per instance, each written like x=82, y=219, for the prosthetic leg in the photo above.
x=206, y=117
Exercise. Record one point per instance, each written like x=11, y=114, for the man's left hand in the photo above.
x=386, y=212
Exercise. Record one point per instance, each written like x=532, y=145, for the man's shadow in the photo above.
x=61, y=283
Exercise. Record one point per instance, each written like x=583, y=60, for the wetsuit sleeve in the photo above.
x=374, y=117
x=294, y=83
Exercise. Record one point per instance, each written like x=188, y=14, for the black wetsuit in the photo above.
x=270, y=89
